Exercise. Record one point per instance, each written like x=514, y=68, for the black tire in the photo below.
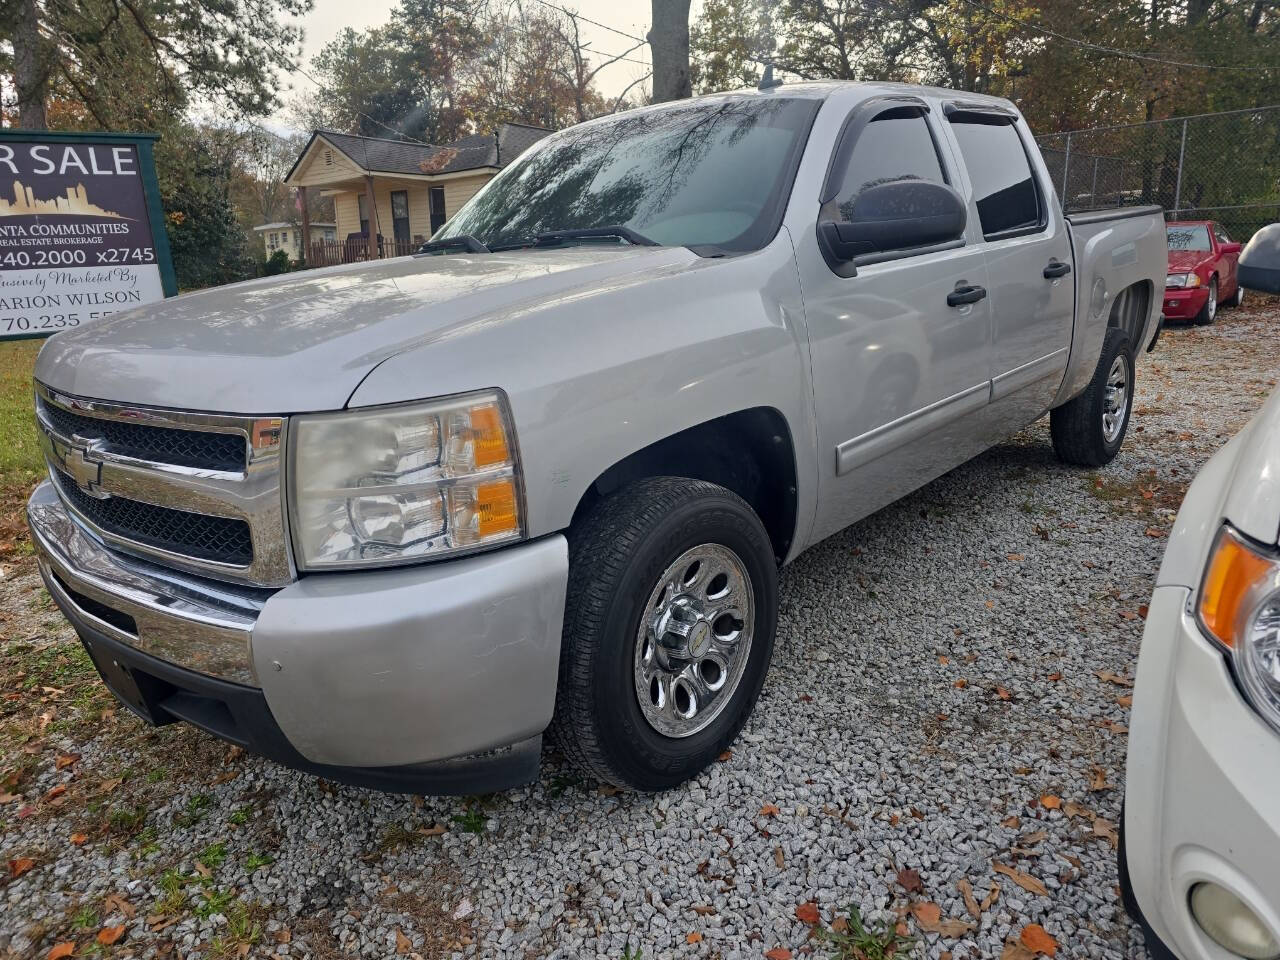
x=1237, y=299
x=1209, y=312
x=618, y=553
x=1077, y=425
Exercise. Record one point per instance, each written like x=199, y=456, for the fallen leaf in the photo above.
x=1143, y=611
x=19, y=866
x=1073, y=809
x=224, y=777
x=910, y=880
x=1125, y=701
x=1050, y=802
x=9, y=797
x=727, y=755
x=961, y=683
x=1015, y=557
x=927, y=914
x=839, y=925
x=807, y=913
x=114, y=903
x=778, y=858
x=65, y=760
x=970, y=901
x=1106, y=830
x=778, y=953
x=1016, y=951
x=992, y=896
x=1024, y=880
x=109, y=935
x=769, y=810
x=432, y=831
x=1098, y=780
x=1154, y=532
x=55, y=793
x=1011, y=822
x=693, y=937
x=1054, y=677
x=991, y=604
x=703, y=910
x=1035, y=938
x=79, y=839
x=203, y=870
x=61, y=950
x=1106, y=676
x=1002, y=693
x=403, y=943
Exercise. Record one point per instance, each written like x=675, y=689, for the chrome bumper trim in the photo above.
x=193, y=623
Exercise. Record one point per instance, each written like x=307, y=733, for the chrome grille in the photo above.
x=187, y=448
x=194, y=491
x=220, y=539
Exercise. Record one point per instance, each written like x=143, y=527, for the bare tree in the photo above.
x=669, y=41
x=31, y=72
x=578, y=72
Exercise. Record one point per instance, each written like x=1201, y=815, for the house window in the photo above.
x=437, y=208
x=362, y=201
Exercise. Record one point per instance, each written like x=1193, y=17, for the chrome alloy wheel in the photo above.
x=1115, y=402
x=694, y=640
x=1212, y=303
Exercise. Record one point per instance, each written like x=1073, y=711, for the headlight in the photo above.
x=1239, y=607
x=395, y=484
x=1176, y=281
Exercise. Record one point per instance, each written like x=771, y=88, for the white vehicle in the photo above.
x=1200, y=837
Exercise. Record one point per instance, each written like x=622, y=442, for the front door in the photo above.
x=400, y=220
x=900, y=376
x=1028, y=263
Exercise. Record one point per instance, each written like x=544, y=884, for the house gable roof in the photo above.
x=475, y=152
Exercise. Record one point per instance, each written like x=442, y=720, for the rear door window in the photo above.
x=1004, y=186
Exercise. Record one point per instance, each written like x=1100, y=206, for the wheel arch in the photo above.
x=750, y=452
x=1129, y=311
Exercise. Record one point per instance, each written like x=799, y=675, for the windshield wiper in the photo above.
x=556, y=237
x=463, y=242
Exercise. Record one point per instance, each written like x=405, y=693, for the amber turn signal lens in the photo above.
x=496, y=508
x=1234, y=570
x=489, y=440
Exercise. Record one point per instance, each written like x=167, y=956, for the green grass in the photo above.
x=20, y=459
x=213, y=855
x=858, y=942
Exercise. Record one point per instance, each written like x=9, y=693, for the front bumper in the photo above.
x=1184, y=303
x=437, y=678
x=1203, y=777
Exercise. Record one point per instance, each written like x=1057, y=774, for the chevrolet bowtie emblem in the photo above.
x=85, y=472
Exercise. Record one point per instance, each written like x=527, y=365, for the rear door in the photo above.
x=898, y=372
x=1028, y=257
x=1228, y=262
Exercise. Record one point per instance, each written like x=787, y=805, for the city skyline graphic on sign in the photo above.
x=74, y=203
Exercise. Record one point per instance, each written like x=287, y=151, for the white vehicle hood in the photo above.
x=1253, y=496
x=305, y=341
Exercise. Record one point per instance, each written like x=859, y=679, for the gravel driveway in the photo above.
x=946, y=713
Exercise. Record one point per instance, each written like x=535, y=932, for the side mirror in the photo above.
x=1232, y=247
x=899, y=215
x=1259, y=267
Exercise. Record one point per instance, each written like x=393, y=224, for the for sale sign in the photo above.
x=80, y=230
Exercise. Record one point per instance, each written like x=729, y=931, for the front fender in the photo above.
x=596, y=375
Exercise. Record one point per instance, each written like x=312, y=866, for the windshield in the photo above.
x=706, y=173
x=1189, y=238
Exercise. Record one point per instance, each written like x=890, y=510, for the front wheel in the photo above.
x=1089, y=429
x=668, y=632
x=1209, y=312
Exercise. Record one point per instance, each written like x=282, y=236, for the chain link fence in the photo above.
x=1216, y=166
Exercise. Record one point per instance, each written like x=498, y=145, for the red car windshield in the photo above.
x=1190, y=237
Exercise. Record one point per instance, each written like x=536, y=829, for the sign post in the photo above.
x=81, y=230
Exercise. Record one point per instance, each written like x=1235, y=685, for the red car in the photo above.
x=1202, y=271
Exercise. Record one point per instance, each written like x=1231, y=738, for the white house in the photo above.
x=288, y=237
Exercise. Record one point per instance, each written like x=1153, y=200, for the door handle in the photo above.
x=1056, y=269
x=965, y=293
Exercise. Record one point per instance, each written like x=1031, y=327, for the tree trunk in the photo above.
x=669, y=41
x=29, y=68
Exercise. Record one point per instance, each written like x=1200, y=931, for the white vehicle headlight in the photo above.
x=1175, y=281
x=396, y=484
x=1239, y=606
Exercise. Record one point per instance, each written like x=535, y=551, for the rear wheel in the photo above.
x=668, y=633
x=1209, y=312
x=1237, y=299
x=1089, y=429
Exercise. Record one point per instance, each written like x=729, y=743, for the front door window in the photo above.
x=437, y=208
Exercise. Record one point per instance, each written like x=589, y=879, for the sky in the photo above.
x=328, y=17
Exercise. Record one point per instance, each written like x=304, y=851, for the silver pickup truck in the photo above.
x=393, y=522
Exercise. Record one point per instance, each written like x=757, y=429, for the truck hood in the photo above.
x=303, y=342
